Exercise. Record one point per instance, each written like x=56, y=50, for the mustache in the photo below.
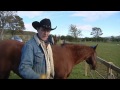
x=45, y=35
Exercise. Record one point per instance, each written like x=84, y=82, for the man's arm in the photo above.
x=26, y=64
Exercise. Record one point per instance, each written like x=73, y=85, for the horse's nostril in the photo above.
x=94, y=67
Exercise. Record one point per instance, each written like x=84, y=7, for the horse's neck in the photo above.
x=81, y=53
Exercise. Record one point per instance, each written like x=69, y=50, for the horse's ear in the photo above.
x=94, y=47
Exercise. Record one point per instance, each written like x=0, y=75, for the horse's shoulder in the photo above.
x=10, y=43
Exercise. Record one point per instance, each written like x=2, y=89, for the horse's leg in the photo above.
x=60, y=77
x=7, y=75
x=5, y=68
x=4, y=75
x=68, y=75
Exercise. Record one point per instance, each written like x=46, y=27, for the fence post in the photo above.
x=110, y=75
x=86, y=69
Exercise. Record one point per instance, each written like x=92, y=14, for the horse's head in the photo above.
x=92, y=59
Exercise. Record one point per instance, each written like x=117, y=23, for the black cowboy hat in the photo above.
x=45, y=23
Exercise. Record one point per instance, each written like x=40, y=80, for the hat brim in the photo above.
x=50, y=28
x=36, y=25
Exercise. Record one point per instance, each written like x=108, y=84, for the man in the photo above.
x=37, y=58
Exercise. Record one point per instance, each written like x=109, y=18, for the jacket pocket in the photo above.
x=39, y=59
x=39, y=56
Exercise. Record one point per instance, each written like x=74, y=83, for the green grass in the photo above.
x=108, y=51
x=78, y=72
x=13, y=76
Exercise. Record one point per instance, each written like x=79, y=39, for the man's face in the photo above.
x=43, y=33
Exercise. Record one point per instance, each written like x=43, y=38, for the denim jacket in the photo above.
x=32, y=63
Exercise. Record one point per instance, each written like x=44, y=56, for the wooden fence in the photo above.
x=110, y=68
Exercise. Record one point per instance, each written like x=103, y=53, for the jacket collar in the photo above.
x=38, y=41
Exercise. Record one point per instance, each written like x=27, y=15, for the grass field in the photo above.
x=107, y=51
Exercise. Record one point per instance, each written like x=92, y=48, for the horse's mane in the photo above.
x=80, y=46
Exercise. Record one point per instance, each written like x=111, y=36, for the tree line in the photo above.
x=9, y=20
x=13, y=24
x=75, y=35
x=93, y=39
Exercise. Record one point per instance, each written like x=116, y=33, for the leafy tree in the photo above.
x=16, y=24
x=69, y=38
x=74, y=31
x=62, y=37
x=4, y=21
x=96, y=32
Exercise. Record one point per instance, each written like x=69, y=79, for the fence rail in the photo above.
x=112, y=66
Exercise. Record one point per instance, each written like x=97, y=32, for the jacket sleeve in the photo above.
x=26, y=64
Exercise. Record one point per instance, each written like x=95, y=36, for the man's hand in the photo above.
x=43, y=76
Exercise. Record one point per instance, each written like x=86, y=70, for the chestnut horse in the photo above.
x=65, y=57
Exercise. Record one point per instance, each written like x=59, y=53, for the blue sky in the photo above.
x=108, y=21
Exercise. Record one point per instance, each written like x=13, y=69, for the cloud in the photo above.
x=93, y=15
x=84, y=27
x=29, y=27
x=29, y=14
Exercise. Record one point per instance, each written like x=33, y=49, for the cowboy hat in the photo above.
x=45, y=23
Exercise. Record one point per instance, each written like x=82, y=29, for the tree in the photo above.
x=16, y=24
x=69, y=38
x=62, y=37
x=74, y=31
x=4, y=21
x=96, y=32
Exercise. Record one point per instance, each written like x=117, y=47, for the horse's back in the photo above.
x=8, y=46
x=10, y=51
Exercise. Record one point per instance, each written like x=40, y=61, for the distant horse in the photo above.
x=65, y=58
x=56, y=39
x=52, y=39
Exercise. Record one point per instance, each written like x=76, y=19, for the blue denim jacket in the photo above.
x=32, y=63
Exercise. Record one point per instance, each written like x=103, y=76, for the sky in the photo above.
x=108, y=21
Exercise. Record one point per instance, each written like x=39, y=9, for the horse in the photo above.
x=56, y=39
x=65, y=57
x=68, y=55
